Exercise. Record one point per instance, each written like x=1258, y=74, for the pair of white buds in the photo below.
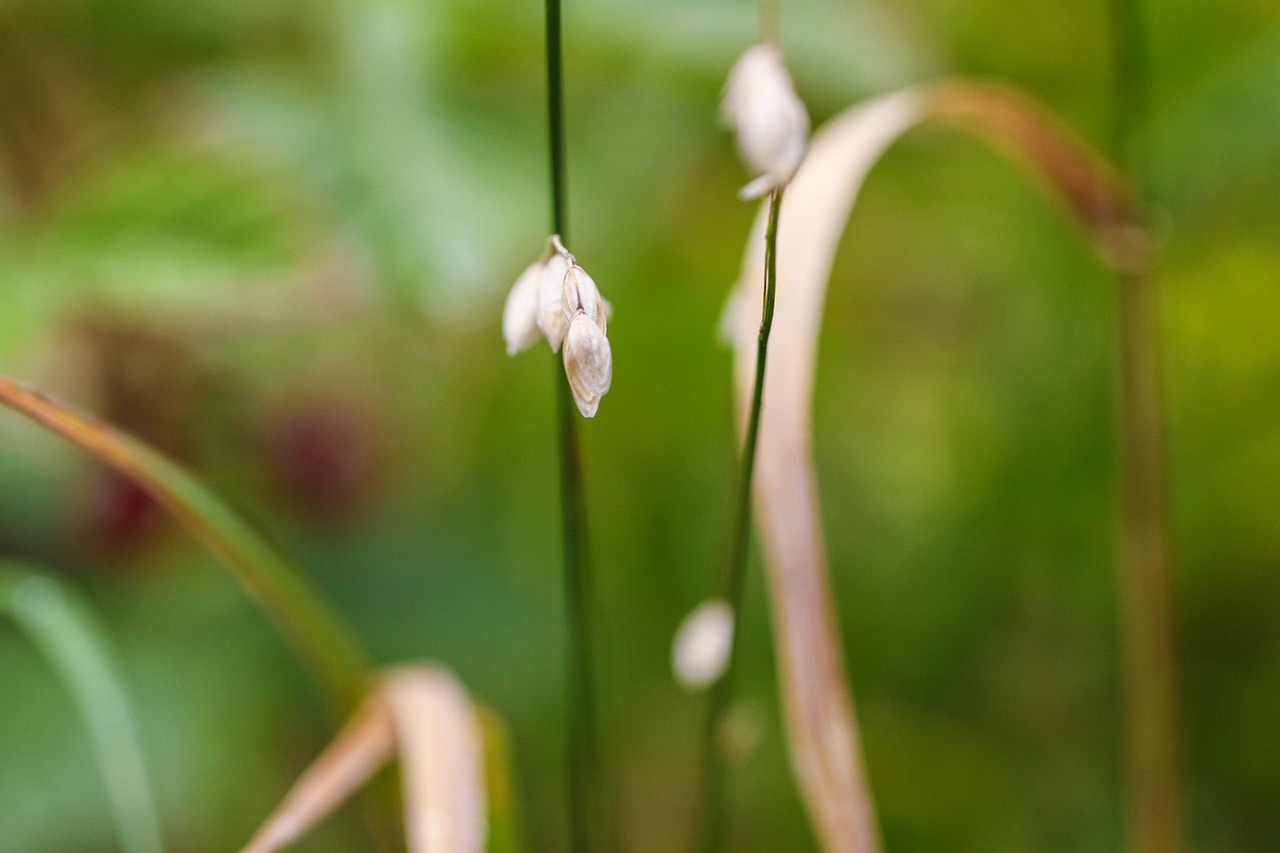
x=761, y=105
x=556, y=299
x=772, y=126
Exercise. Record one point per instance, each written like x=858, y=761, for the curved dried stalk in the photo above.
x=365, y=744
x=822, y=732
x=424, y=715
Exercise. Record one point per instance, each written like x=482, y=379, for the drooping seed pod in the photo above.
x=556, y=297
x=551, y=318
x=520, y=314
x=581, y=294
x=772, y=126
x=588, y=363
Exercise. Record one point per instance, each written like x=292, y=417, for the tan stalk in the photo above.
x=441, y=759
x=821, y=727
x=422, y=714
x=365, y=744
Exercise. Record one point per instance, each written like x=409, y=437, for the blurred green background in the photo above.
x=274, y=237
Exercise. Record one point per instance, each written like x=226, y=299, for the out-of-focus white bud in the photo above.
x=703, y=641
x=520, y=314
x=761, y=105
x=588, y=363
x=551, y=318
x=581, y=294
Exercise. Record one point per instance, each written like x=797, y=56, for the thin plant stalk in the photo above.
x=590, y=826
x=1146, y=597
x=712, y=817
x=68, y=634
x=769, y=21
x=584, y=764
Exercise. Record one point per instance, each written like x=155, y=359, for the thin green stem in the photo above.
x=589, y=805
x=769, y=22
x=1130, y=77
x=1146, y=596
x=68, y=634
x=584, y=765
x=712, y=816
x=555, y=121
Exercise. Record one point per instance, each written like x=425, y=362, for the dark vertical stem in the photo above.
x=1146, y=596
x=712, y=802
x=588, y=802
x=583, y=761
x=555, y=116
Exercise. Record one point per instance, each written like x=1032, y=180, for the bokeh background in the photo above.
x=274, y=236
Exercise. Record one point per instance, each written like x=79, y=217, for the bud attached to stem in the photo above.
x=761, y=105
x=551, y=317
x=558, y=299
x=703, y=641
x=520, y=314
x=588, y=362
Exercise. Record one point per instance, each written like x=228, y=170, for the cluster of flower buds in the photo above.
x=556, y=299
x=761, y=105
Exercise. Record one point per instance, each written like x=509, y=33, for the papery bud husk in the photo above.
x=551, y=318
x=588, y=363
x=520, y=314
x=771, y=122
x=581, y=294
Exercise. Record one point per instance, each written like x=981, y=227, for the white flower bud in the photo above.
x=772, y=125
x=520, y=314
x=703, y=641
x=551, y=318
x=588, y=363
x=581, y=294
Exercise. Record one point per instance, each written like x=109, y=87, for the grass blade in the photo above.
x=65, y=630
x=321, y=638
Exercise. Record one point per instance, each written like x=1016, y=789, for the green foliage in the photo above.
x=64, y=630
x=322, y=204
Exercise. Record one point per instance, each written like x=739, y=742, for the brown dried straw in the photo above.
x=821, y=727
x=422, y=714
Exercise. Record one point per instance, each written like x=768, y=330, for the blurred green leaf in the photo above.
x=67, y=633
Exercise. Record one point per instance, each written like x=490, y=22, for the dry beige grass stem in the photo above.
x=819, y=710
x=423, y=715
